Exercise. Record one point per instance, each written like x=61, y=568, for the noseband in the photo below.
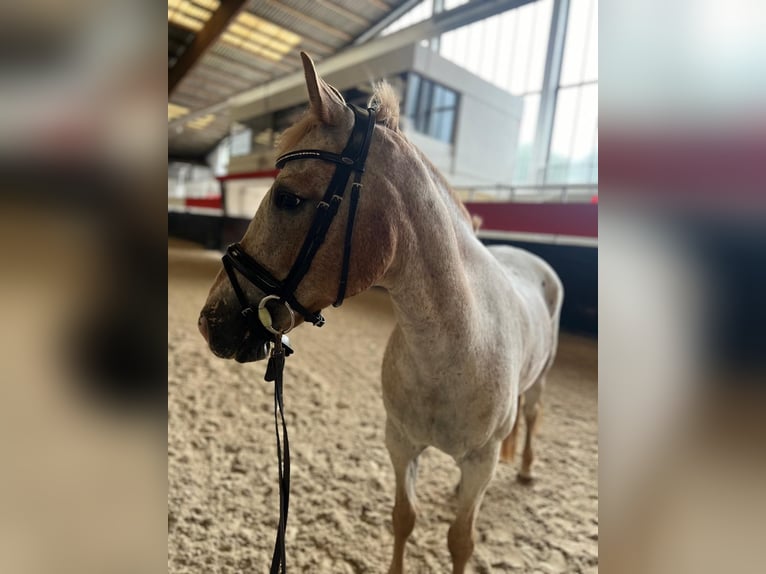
x=350, y=161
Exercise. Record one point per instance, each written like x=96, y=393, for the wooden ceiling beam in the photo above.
x=209, y=33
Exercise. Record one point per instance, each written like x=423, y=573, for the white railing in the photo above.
x=567, y=193
x=186, y=180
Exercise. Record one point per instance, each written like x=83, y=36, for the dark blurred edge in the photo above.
x=708, y=185
x=117, y=350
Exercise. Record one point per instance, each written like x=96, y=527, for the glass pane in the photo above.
x=507, y=50
x=594, y=167
x=522, y=172
x=490, y=37
x=413, y=88
x=526, y=16
x=576, y=41
x=502, y=74
x=462, y=46
x=529, y=119
x=423, y=105
x=587, y=119
x=591, y=52
x=541, y=31
x=447, y=46
x=443, y=98
x=418, y=13
x=441, y=125
x=438, y=100
x=424, y=101
x=574, y=152
x=473, y=52
x=517, y=75
x=563, y=128
x=583, y=155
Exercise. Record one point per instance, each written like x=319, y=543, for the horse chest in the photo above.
x=451, y=405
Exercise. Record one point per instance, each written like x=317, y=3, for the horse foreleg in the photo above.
x=476, y=472
x=532, y=407
x=404, y=457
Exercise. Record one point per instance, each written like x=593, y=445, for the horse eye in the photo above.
x=287, y=201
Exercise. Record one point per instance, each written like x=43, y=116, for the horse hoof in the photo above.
x=525, y=479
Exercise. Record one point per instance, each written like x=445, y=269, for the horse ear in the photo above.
x=326, y=102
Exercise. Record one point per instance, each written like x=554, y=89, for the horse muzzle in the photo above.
x=234, y=338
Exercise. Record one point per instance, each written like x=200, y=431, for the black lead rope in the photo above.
x=274, y=372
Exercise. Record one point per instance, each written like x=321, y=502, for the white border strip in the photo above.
x=196, y=210
x=550, y=238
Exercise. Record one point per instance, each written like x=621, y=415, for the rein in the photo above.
x=350, y=161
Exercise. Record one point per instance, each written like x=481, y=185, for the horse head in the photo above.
x=276, y=235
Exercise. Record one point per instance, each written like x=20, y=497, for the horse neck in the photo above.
x=428, y=279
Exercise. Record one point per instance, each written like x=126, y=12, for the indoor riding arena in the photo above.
x=438, y=175
x=222, y=465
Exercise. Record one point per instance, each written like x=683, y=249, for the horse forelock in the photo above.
x=290, y=138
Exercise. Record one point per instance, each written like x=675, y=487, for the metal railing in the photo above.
x=567, y=193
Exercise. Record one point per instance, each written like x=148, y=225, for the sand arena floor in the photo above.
x=222, y=504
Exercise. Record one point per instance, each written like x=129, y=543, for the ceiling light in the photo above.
x=195, y=11
x=184, y=21
x=251, y=33
x=176, y=111
x=211, y=5
x=201, y=122
x=191, y=15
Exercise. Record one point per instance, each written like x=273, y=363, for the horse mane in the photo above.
x=440, y=179
x=386, y=104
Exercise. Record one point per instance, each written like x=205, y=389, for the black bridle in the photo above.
x=350, y=161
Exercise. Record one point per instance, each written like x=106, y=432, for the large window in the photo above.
x=421, y=11
x=508, y=50
x=573, y=154
x=430, y=108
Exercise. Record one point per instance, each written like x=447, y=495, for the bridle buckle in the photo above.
x=265, y=317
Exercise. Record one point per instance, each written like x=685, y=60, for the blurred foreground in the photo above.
x=82, y=297
x=682, y=239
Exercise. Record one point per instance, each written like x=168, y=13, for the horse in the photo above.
x=476, y=327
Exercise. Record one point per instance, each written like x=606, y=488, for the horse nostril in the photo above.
x=202, y=324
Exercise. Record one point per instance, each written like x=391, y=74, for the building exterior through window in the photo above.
x=430, y=107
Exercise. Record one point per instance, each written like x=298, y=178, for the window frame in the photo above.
x=426, y=115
